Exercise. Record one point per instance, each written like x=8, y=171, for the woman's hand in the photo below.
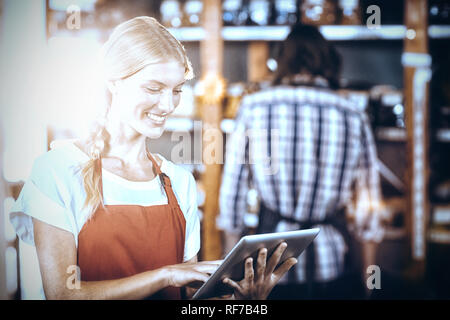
x=179, y=275
x=258, y=286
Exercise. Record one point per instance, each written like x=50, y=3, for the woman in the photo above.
x=96, y=204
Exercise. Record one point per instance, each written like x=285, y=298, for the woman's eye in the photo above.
x=178, y=91
x=153, y=90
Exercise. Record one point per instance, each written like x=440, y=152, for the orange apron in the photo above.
x=128, y=239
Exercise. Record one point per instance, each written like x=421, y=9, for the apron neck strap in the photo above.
x=165, y=180
x=155, y=164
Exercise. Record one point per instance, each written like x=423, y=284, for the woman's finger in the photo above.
x=198, y=276
x=275, y=258
x=187, y=277
x=232, y=284
x=285, y=266
x=206, y=267
x=249, y=274
x=261, y=265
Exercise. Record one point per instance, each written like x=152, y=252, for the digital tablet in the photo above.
x=233, y=265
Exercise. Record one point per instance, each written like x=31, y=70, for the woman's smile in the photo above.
x=155, y=118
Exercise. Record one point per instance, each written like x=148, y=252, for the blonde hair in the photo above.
x=133, y=45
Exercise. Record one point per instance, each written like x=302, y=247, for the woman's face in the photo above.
x=145, y=99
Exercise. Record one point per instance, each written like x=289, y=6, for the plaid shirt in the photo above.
x=308, y=150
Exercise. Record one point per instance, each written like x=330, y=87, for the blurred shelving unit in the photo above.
x=439, y=235
x=399, y=134
x=393, y=134
x=259, y=37
x=330, y=32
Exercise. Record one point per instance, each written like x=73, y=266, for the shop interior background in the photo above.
x=50, y=82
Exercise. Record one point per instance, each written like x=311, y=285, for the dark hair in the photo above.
x=305, y=50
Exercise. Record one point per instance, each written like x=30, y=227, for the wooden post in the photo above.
x=417, y=63
x=211, y=53
x=258, y=53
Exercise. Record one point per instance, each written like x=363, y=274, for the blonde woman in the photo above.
x=96, y=206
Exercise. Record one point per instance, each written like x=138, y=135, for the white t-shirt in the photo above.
x=54, y=194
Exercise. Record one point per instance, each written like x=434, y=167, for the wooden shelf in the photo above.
x=441, y=214
x=443, y=135
x=179, y=124
x=330, y=32
x=439, y=31
x=391, y=134
x=383, y=133
x=227, y=126
x=399, y=135
x=279, y=33
x=188, y=34
x=439, y=235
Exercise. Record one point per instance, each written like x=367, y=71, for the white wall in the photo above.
x=22, y=43
x=22, y=131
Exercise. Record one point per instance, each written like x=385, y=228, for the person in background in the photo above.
x=315, y=163
x=122, y=220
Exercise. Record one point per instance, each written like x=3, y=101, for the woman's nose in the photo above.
x=166, y=102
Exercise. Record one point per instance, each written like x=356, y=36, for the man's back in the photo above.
x=321, y=138
x=306, y=146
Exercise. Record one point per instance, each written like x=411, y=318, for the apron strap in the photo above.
x=165, y=180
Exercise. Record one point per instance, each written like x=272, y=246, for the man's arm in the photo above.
x=369, y=209
x=234, y=186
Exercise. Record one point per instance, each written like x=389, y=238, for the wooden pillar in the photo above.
x=417, y=62
x=257, y=55
x=211, y=54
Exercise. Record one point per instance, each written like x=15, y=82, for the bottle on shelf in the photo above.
x=350, y=12
x=390, y=110
x=171, y=14
x=259, y=12
x=192, y=12
x=285, y=12
x=318, y=12
x=391, y=113
x=234, y=13
x=439, y=12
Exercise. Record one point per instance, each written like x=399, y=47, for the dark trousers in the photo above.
x=348, y=286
